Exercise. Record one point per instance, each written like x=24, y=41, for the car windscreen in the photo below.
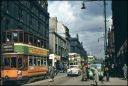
x=96, y=65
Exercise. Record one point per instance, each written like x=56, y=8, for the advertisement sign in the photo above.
x=37, y=51
x=7, y=48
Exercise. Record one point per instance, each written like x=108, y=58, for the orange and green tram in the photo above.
x=22, y=62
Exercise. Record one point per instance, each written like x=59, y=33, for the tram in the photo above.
x=23, y=57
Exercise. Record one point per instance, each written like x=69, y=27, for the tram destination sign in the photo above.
x=7, y=48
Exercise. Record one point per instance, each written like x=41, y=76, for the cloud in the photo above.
x=88, y=23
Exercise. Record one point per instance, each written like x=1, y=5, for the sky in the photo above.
x=87, y=23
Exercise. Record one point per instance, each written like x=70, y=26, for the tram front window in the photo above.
x=19, y=62
x=13, y=62
x=6, y=61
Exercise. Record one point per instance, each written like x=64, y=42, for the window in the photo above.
x=42, y=43
x=35, y=61
x=30, y=61
x=20, y=62
x=6, y=61
x=39, y=61
x=38, y=42
x=35, y=41
x=20, y=36
x=13, y=62
x=26, y=38
x=3, y=37
x=9, y=36
x=42, y=61
x=15, y=36
x=45, y=62
x=7, y=21
x=30, y=40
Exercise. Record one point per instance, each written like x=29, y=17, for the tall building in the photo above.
x=77, y=47
x=57, y=43
x=119, y=16
x=25, y=39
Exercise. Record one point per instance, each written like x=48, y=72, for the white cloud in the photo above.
x=86, y=23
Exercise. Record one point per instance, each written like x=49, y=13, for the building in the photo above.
x=57, y=43
x=25, y=38
x=110, y=47
x=77, y=47
x=119, y=16
x=63, y=31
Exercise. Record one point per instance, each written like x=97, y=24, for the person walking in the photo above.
x=106, y=73
x=84, y=73
x=51, y=72
x=125, y=71
x=96, y=76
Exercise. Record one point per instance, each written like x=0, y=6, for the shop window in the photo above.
x=13, y=62
x=15, y=36
x=20, y=62
x=6, y=61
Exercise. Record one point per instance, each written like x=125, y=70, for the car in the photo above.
x=73, y=70
x=99, y=68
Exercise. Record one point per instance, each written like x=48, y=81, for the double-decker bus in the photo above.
x=74, y=59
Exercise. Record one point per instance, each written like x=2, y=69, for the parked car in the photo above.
x=100, y=71
x=74, y=70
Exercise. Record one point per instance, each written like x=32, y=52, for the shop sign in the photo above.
x=7, y=48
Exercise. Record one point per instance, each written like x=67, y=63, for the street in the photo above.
x=62, y=79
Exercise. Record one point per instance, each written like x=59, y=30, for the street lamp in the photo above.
x=83, y=6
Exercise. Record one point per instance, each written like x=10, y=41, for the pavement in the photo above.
x=61, y=77
x=115, y=81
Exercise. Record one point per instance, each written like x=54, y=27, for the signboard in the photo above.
x=7, y=48
x=37, y=51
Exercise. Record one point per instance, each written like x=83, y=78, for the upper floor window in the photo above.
x=15, y=36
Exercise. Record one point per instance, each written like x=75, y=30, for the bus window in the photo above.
x=19, y=62
x=6, y=61
x=13, y=62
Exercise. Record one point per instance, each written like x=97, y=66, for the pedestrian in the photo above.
x=51, y=72
x=84, y=73
x=96, y=76
x=106, y=73
x=125, y=71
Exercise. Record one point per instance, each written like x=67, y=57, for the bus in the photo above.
x=74, y=59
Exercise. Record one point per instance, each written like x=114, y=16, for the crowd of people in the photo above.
x=106, y=70
x=85, y=73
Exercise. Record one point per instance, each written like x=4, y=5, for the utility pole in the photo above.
x=105, y=35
